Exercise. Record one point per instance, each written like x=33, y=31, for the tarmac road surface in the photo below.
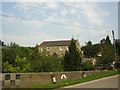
x=108, y=82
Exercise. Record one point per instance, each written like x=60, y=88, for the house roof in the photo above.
x=56, y=43
x=87, y=59
x=1, y=47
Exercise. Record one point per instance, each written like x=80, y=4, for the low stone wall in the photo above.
x=27, y=80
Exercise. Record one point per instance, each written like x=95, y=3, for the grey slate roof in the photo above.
x=56, y=43
x=87, y=59
x=1, y=47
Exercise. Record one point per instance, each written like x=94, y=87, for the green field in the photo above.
x=76, y=81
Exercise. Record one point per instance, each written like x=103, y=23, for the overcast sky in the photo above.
x=30, y=23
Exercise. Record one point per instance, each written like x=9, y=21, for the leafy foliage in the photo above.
x=86, y=66
x=27, y=59
x=47, y=64
x=2, y=43
x=107, y=50
x=21, y=65
x=72, y=58
x=117, y=44
x=90, y=50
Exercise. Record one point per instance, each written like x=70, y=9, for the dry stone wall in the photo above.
x=27, y=80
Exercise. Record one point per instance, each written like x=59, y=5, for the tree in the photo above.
x=107, y=53
x=86, y=66
x=27, y=59
x=8, y=55
x=8, y=67
x=21, y=65
x=117, y=44
x=90, y=50
x=2, y=43
x=72, y=58
x=10, y=52
x=117, y=47
x=87, y=49
x=47, y=64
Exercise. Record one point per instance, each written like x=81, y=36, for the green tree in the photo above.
x=8, y=67
x=8, y=55
x=47, y=64
x=87, y=65
x=27, y=59
x=21, y=65
x=2, y=43
x=90, y=50
x=10, y=52
x=107, y=53
x=117, y=43
x=72, y=58
x=117, y=47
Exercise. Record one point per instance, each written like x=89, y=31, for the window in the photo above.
x=61, y=48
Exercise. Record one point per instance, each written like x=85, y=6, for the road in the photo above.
x=108, y=82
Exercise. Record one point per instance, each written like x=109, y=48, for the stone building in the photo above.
x=58, y=47
x=93, y=60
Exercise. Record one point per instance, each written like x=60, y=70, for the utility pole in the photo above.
x=114, y=45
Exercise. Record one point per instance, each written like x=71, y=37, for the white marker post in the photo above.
x=63, y=76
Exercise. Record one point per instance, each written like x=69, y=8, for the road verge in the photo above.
x=80, y=80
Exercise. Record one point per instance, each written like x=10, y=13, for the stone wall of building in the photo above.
x=59, y=50
x=27, y=80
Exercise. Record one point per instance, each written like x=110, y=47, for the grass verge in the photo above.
x=76, y=81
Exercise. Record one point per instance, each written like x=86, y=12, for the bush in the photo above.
x=87, y=66
x=21, y=66
x=47, y=64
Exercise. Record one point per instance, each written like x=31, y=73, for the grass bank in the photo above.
x=76, y=81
